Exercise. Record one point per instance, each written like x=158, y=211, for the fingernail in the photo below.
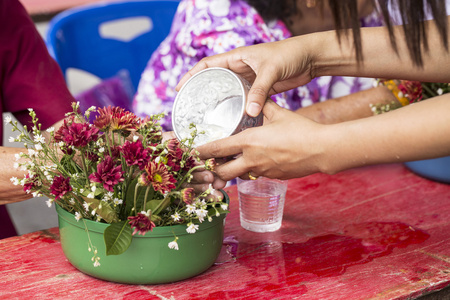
x=253, y=109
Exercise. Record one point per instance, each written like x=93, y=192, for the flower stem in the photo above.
x=135, y=197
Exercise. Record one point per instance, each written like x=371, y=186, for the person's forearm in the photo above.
x=416, y=131
x=380, y=60
x=347, y=108
x=10, y=193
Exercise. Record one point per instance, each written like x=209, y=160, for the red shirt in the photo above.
x=29, y=78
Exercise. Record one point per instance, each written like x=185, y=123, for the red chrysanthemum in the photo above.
x=141, y=224
x=189, y=164
x=31, y=182
x=116, y=118
x=63, y=129
x=60, y=187
x=108, y=173
x=188, y=195
x=210, y=164
x=411, y=89
x=157, y=175
x=135, y=154
x=79, y=135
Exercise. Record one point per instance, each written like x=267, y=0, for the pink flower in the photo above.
x=116, y=118
x=135, y=154
x=60, y=186
x=157, y=175
x=80, y=135
x=141, y=224
x=411, y=89
x=31, y=182
x=108, y=174
x=188, y=195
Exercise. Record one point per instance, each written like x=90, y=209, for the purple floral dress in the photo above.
x=206, y=27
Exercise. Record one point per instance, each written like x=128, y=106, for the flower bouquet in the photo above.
x=117, y=170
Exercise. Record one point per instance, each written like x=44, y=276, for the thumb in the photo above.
x=258, y=93
x=271, y=110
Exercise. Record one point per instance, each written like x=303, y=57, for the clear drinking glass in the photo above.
x=261, y=203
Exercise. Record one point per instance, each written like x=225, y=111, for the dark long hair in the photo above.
x=345, y=14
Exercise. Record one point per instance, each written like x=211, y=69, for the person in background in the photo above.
x=29, y=78
x=289, y=145
x=208, y=27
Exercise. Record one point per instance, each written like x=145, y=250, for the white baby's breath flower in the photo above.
x=8, y=119
x=16, y=165
x=94, y=211
x=72, y=201
x=11, y=139
x=31, y=152
x=14, y=180
x=135, y=138
x=50, y=202
x=50, y=129
x=96, y=263
x=39, y=138
x=201, y=214
x=190, y=208
x=93, y=188
x=36, y=194
x=117, y=201
x=224, y=206
x=101, y=149
x=192, y=228
x=90, y=196
x=146, y=213
x=175, y=217
x=38, y=147
x=77, y=216
x=173, y=244
x=157, y=160
x=61, y=144
x=49, y=177
x=439, y=91
x=86, y=206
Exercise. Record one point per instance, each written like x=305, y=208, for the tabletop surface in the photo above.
x=371, y=233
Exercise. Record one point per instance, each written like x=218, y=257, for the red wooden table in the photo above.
x=372, y=233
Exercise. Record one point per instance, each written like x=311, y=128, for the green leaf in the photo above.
x=152, y=204
x=117, y=237
x=106, y=212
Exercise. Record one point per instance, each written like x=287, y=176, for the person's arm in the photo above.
x=281, y=66
x=290, y=146
x=350, y=107
x=10, y=193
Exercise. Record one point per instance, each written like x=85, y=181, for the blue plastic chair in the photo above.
x=86, y=37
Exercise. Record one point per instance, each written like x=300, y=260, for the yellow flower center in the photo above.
x=157, y=178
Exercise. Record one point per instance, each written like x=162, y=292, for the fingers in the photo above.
x=232, y=169
x=229, y=146
x=168, y=136
x=259, y=92
x=271, y=109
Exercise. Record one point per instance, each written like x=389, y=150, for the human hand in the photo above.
x=202, y=179
x=286, y=146
x=272, y=68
